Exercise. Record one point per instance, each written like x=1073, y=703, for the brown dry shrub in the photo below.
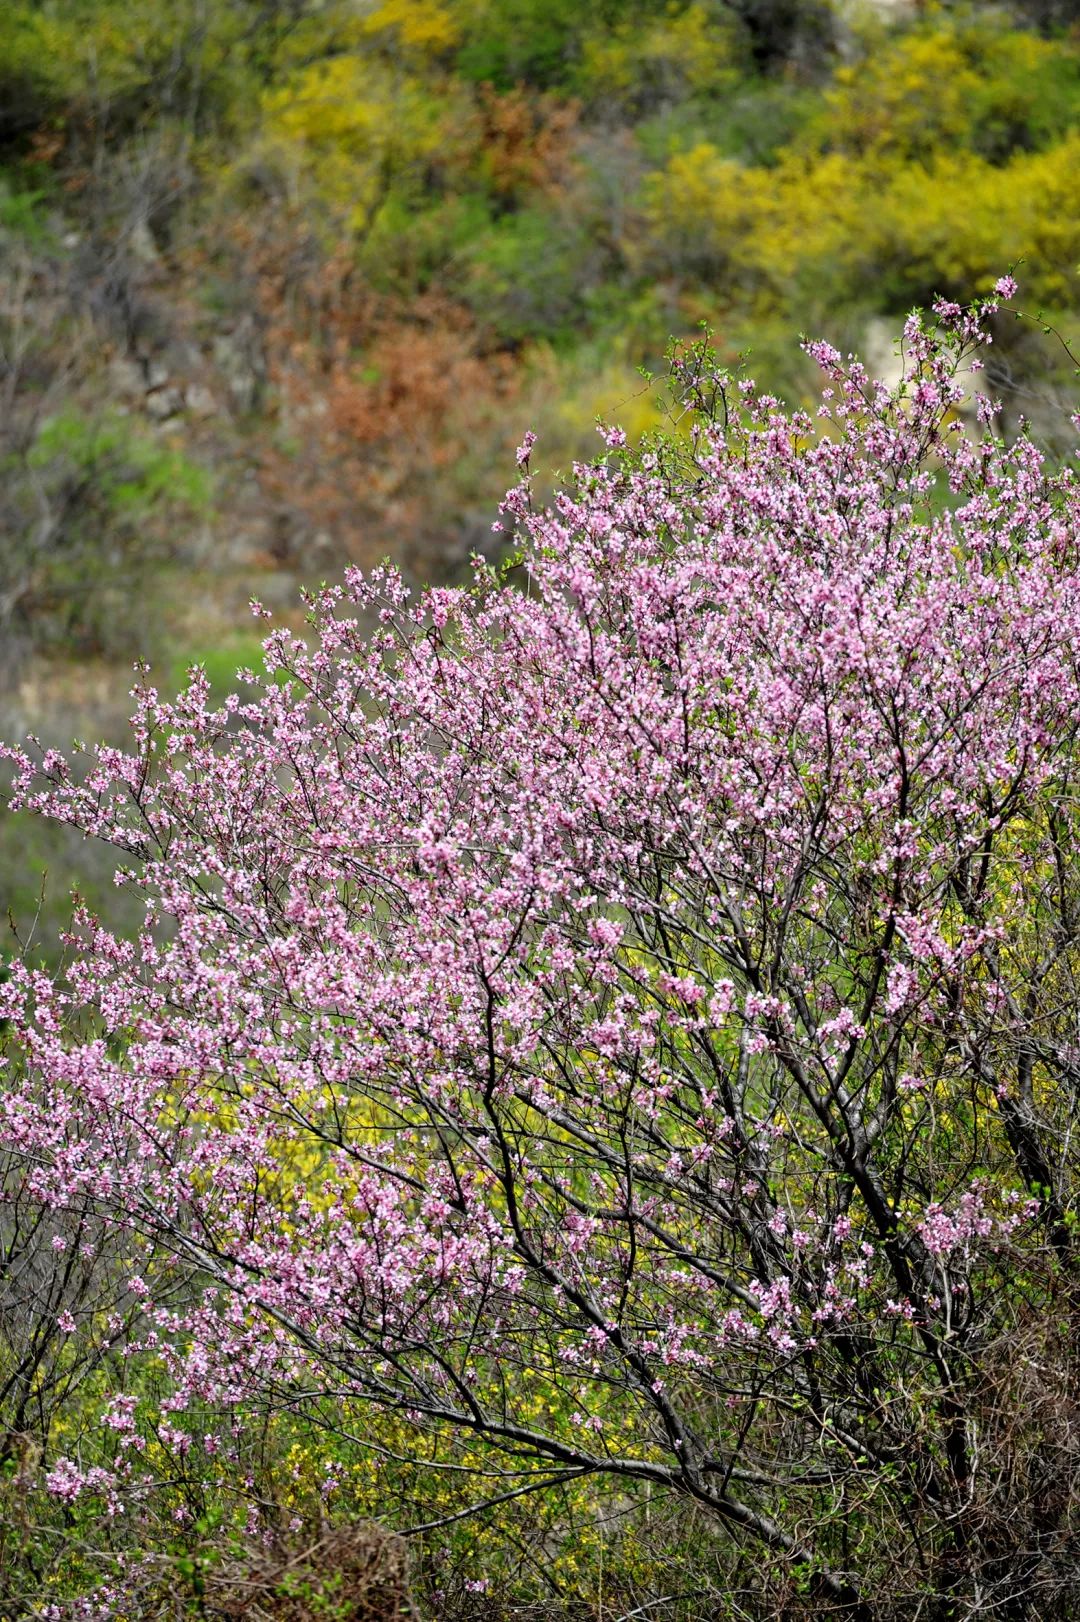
x=394, y=425
x=357, y=1573
x=529, y=142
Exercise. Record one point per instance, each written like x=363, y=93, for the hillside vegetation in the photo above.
x=556, y=1098
x=286, y=279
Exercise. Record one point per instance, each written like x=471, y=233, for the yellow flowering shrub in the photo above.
x=423, y=26
x=818, y=229
x=350, y=126
x=673, y=54
x=986, y=87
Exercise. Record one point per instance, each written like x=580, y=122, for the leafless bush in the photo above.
x=357, y=1573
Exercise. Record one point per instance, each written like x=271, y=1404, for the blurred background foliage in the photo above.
x=331, y=257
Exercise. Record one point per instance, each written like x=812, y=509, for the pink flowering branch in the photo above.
x=627, y=1021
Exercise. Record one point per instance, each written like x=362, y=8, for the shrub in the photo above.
x=627, y=1025
x=815, y=232
x=76, y=481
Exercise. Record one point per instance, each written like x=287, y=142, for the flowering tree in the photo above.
x=631, y=1019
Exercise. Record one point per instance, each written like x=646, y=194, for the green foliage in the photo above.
x=356, y=129
x=129, y=471
x=754, y=122
x=107, y=68
x=928, y=163
x=412, y=246
x=920, y=158
x=82, y=482
x=530, y=275
x=510, y=42
x=23, y=217
x=665, y=59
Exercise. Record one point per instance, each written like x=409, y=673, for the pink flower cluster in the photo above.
x=575, y=978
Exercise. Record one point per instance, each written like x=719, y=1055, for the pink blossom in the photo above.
x=618, y=979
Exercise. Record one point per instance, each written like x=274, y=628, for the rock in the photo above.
x=126, y=378
x=183, y=357
x=881, y=351
x=322, y=549
x=164, y=403
x=880, y=354
x=199, y=401
x=142, y=245
x=242, y=361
